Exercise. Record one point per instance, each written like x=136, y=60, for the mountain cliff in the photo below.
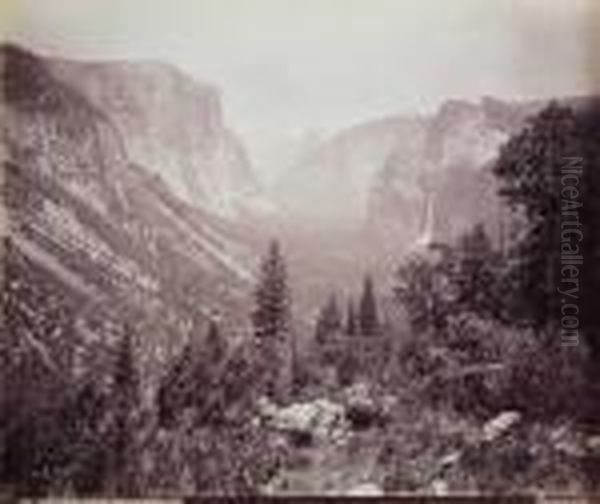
x=396, y=177
x=174, y=126
x=97, y=246
x=334, y=176
x=445, y=186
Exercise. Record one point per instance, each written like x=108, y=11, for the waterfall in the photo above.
x=427, y=223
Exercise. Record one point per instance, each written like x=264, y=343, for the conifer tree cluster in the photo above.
x=362, y=322
x=549, y=174
x=529, y=171
x=193, y=382
x=329, y=319
x=86, y=441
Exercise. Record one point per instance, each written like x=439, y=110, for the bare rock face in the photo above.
x=97, y=246
x=445, y=186
x=384, y=176
x=336, y=176
x=321, y=419
x=173, y=125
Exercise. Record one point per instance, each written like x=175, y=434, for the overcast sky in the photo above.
x=286, y=67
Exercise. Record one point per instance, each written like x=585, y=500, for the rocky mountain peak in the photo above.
x=171, y=124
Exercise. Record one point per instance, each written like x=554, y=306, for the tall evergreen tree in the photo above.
x=368, y=318
x=271, y=319
x=215, y=362
x=126, y=402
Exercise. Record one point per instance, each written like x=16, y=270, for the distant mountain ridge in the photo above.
x=448, y=171
x=333, y=176
x=378, y=177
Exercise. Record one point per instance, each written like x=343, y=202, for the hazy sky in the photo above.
x=286, y=67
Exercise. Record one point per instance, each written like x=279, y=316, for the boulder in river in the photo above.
x=364, y=409
x=320, y=419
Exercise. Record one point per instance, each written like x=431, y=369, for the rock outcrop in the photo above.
x=174, y=126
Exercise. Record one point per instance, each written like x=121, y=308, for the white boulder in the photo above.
x=500, y=424
x=321, y=419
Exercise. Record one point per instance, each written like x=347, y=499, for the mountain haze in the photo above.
x=379, y=177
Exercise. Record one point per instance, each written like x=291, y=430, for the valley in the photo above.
x=156, y=294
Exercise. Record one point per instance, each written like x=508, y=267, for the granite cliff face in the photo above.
x=174, y=126
x=97, y=246
x=335, y=176
x=401, y=177
x=444, y=186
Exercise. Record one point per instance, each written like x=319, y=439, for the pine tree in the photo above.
x=367, y=316
x=126, y=390
x=350, y=319
x=529, y=171
x=271, y=320
x=213, y=403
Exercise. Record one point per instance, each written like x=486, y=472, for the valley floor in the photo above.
x=439, y=452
